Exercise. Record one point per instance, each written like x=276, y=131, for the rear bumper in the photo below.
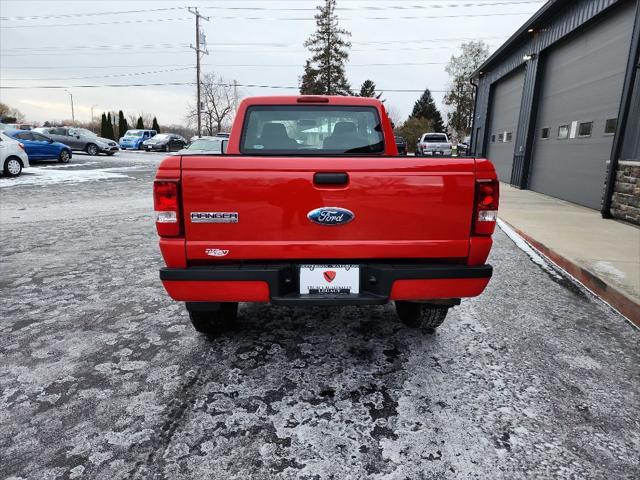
x=279, y=283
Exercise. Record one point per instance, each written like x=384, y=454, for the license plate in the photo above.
x=329, y=279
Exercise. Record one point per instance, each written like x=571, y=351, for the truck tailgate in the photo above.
x=403, y=207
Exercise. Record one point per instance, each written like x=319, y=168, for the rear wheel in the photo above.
x=92, y=149
x=64, y=156
x=211, y=322
x=426, y=317
x=12, y=167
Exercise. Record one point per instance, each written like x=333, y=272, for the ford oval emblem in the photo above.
x=330, y=216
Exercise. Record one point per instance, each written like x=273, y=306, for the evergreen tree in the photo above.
x=426, y=108
x=140, y=124
x=103, y=126
x=329, y=52
x=155, y=125
x=109, y=128
x=368, y=89
x=122, y=124
x=309, y=84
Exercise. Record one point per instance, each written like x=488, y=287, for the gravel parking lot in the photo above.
x=103, y=377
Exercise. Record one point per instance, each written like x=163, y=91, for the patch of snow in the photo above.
x=528, y=249
x=607, y=269
x=48, y=176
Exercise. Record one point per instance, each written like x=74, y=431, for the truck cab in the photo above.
x=311, y=205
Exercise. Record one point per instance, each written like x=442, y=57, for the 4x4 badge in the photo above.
x=216, y=252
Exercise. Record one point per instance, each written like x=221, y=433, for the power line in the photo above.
x=368, y=7
x=257, y=65
x=152, y=20
x=130, y=46
x=246, y=85
x=88, y=14
x=129, y=74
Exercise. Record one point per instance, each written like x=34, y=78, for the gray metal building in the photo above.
x=558, y=105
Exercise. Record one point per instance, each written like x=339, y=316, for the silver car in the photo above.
x=433, y=144
x=80, y=139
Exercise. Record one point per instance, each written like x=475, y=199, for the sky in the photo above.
x=399, y=44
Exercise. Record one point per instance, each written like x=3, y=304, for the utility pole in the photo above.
x=200, y=38
x=73, y=116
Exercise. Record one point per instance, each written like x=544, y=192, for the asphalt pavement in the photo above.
x=102, y=376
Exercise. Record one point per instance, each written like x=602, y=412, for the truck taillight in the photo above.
x=486, y=206
x=167, y=207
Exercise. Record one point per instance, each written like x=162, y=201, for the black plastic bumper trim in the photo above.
x=376, y=279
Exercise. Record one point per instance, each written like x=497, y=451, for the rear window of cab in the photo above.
x=311, y=130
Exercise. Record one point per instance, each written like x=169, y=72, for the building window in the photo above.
x=563, y=131
x=544, y=133
x=493, y=138
x=509, y=136
x=610, y=126
x=584, y=130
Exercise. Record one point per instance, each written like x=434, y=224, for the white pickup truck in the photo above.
x=433, y=144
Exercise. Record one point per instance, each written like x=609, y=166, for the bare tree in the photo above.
x=217, y=99
x=394, y=114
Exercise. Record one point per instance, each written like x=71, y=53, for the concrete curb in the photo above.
x=618, y=300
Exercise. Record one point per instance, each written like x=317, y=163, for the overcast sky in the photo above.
x=72, y=43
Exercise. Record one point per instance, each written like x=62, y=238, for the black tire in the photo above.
x=92, y=149
x=423, y=316
x=140, y=146
x=64, y=156
x=12, y=167
x=214, y=321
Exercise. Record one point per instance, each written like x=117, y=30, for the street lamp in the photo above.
x=92, y=107
x=73, y=116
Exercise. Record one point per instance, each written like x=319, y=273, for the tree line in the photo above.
x=324, y=74
x=109, y=127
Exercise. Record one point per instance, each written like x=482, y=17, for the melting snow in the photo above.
x=526, y=248
x=48, y=176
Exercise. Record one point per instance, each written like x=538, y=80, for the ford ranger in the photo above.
x=309, y=203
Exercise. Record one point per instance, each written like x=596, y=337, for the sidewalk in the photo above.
x=602, y=254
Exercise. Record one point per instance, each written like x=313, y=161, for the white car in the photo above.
x=13, y=158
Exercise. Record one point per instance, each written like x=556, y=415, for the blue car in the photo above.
x=41, y=147
x=133, y=138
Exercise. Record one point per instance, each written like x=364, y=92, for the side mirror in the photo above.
x=224, y=146
x=51, y=140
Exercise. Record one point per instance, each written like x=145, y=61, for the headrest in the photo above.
x=344, y=128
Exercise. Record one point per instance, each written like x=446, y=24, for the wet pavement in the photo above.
x=103, y=377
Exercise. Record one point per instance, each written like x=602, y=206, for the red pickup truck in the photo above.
x=310, y=204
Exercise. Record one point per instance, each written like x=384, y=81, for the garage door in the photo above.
x=579, y=99
x=504, y=111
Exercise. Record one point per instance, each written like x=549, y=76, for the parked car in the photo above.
x=80, y=139
x=13, y=157
x=463, y=146
x=275, y=217
x=41, y=147
x=401, y=143
x=433, y=144
x=219, y=134
x=15, y=126
x=134, y=139
x=204, y=145
x=164, y=142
